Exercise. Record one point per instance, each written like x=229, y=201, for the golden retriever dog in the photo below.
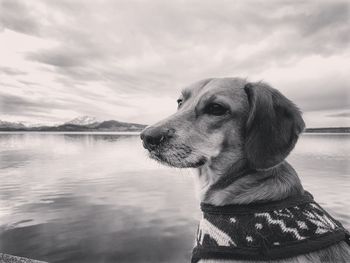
x=236, y=135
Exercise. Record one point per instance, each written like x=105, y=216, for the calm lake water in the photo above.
x=98, y=198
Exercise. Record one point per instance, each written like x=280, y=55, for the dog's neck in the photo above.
x=244, y=186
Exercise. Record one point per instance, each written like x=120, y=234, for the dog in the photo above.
x=236, y=135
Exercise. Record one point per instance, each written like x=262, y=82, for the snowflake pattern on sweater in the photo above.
x=266, y=232
x=273, y=228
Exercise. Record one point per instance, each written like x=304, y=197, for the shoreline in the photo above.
x=135, y=132
x=73, y=132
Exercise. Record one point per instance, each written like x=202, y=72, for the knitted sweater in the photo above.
x=266, y=231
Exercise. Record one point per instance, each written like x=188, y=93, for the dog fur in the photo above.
x=236, y=135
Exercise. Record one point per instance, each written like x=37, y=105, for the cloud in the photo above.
x=326, y=118
x=341, y=114
x=138, y=49
x=11, y=71
x=327, y=16
x=14, y=105
x=17, y=16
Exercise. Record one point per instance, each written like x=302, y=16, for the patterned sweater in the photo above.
x=266, y=231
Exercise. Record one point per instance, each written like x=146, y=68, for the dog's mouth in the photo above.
x=180, y=156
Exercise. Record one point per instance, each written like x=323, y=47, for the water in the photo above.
x=98, y=198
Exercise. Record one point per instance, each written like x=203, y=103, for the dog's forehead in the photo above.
x=224, y=86
x=194, y=88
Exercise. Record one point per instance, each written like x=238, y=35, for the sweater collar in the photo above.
x=294, y=200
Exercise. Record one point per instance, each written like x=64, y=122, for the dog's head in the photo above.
x=221, y=121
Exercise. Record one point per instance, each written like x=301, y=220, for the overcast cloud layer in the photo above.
x=127, y=60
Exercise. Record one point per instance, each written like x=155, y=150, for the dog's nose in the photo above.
x=153, y=137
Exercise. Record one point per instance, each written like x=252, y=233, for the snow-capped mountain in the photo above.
x=33, y=125
x=12, y=125
x=83, y=120
x=84, y=123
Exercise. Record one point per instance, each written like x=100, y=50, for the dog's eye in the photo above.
x=216, y=109
x=179, y=103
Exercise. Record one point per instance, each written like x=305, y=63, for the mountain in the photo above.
x=103, y=126
x=87, y=123
x=11, y=125
x=82, y=120
x=123, y=126
x=328, y=130
x=79, y=124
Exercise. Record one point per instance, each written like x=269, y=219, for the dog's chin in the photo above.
x=176, y=161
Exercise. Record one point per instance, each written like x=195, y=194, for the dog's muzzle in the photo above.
x=153, y=137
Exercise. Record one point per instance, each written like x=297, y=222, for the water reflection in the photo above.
x=99, y=233
x=98, y=198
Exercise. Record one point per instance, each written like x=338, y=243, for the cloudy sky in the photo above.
x=127, y=60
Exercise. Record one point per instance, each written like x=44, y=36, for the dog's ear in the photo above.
x=273, y=126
